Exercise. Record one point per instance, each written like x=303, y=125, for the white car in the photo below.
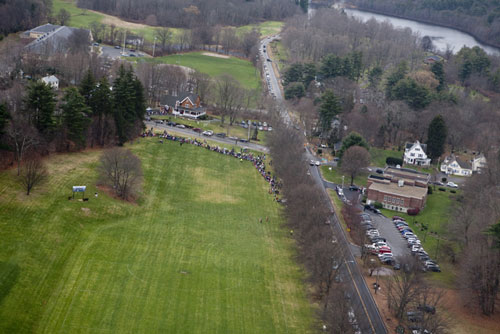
x=452, y=184
x=317, y=163
x=208, y=133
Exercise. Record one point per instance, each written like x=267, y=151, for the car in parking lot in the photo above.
x=181, y=126
x=414, y=316
x=354, y=188
x=397, y=218
x=117, y=47
x=379, y=171
x=208, y=133
x=197, y=130
x=452, y=184
x=427, y=308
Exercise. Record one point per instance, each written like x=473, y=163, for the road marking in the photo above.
x=360, y=298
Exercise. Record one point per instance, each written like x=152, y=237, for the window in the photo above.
x=412, y=154
x=385, y=198
x=402, y=202
x=419, y=155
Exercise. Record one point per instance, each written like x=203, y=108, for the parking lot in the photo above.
x=387, y=230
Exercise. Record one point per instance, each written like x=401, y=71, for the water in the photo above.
x=442, y=38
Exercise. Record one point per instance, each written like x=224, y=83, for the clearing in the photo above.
x=189, y=257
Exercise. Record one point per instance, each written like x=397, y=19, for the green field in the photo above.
x=188, y=257
x=335, y=176
x=266, y=28
x=378, y=156
x=240, y=69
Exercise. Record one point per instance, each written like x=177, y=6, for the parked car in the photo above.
x=243, y=140
x=414, y=316
x=221, y=134
x=397, y=218
x=317, y=163
x=427, y=308
x=181, y=126
x=379, y=171
x=197, y=130
x=208, y=133
x=117, y=47
x=439, y=183
x=452, y=184
x=354, y=188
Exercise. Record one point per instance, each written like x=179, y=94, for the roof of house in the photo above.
x=463, y=164
x=394, y=189
x=170, y=100
x=45, y=28
x=50, y=78
x=410, y=145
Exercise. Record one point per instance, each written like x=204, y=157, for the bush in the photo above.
x=429, y=190
x=320, y=151
x=413, y=212
x=364, y=199
x=453, y=191
x=391, y=161
x=203, y=117
x=442, y=189
x=378, y=205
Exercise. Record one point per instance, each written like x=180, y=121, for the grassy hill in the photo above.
x=189, y=257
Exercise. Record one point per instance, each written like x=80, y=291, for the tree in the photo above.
x=164, y=36
x=40, y=105
x=87, y=85
x=398, y=74
x=23, y=137
x=4, y=118
x=374, y=76
x=33, y=173
x=101, y=104
x=75, y=115
x=438, y=70
x=353, y=139
x=294, y=90
x=354, y=160
x=227, y=95
x=415, y=95
x=120, y=169
x=330, y=107
x=436, y=137
x=63, y=16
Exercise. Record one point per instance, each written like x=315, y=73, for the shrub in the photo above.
x=429, y=190
x=442, y=189
x=453, y=191
x=320, y=151
x=393, y=161
x=443, y=179
x=364, y=199
x=203, y=118
x=413, y=211
x=378, y=205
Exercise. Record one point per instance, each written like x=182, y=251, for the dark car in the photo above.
x=243, y=140
x=379, y=171
x=171, y=124
x=197, y=130
x=268, y=59
x=414, y=316
x=353, y=188
x=117, y=47
x=427, y=308
x=221, y=134
x=433, y=267
x=396, y=266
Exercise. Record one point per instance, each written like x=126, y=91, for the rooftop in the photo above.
x=394, y=189
x=45, y=28
x=406, y=172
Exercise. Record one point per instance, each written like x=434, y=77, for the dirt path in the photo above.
x=211, y=54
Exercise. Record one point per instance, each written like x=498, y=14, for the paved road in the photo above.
x=191, y=134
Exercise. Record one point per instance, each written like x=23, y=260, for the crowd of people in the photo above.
x=257, y=160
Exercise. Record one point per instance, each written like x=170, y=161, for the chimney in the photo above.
x=401, y=183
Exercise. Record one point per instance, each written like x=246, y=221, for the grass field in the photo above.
x=378, y=156
x=240, y=69
x=188, y=257
x=266, y=28
x=335, y=176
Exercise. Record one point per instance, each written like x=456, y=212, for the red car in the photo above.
x=397, y=218
x=197, y=130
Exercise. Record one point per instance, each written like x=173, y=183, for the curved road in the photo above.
x=364, y=306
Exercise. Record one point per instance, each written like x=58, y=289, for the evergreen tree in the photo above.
x=75, y=116
x=4, y=118
x=436, y=137
x=398, y=74
x=353, y=139
x=415, y=95
x=304, y=4
x=87, y=86
x=438, y=70
x=374, y=75
x=330, y=107
x=40, y=104
x=294, y=90
x=308, y=73
x=357, y=64
x=293, y=74
x=140, y=101
x=101, y=104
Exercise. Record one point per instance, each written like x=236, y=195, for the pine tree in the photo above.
x=353, y=139
x=330, y=107
x=126, y=98
x=4, y=118
x=40, y=104
x=438, y=70
x=75, y=115
x=87, y=86
x=436, y=137
x=101, y=104
x=398, y=74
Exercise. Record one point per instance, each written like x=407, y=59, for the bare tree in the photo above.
x=23, y=137
x=33, y=172
x=227, y=96
x=354, y=160
x=63, y=16
x=121, y=169
x=164, y=36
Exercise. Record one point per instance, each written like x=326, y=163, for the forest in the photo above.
x=191, y=13
x=480, y=18
x=17, y=15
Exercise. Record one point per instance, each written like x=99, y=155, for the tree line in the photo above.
x=191, y=13
x=18, y=15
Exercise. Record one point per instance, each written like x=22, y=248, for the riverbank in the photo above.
x=405, y=17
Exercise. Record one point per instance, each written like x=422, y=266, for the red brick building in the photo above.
x=398, y=189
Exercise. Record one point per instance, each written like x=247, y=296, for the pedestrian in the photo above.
x=260, y=220
x=267, y=218
x=96, y=194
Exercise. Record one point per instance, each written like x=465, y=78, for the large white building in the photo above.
x=51, y=81
x=415, y=154
x=456, y=166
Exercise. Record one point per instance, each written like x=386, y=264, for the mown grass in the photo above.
x=378, y=156
x=188, y=257
x=335, y=175
x=242, y=70
x=266, y=28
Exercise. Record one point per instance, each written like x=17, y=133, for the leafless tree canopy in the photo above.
x=23, y=137
x=354, y=160
x=33, y=173
x=121, y=169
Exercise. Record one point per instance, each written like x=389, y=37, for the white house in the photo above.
x=51, y=81
x=478, y=163
x=456, y=166
x=415, y=154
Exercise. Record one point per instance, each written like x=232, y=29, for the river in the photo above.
x=442, y=37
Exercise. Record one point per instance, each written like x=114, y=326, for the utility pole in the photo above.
x=154, y=47
x=249, y=126
x=124, y=42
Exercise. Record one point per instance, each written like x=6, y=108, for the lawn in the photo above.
x=378, y=156
x=279, y=54
x=188, y=257
x=242, y=70
x=266, y=28
x=335, y=176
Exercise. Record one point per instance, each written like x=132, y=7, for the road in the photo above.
x=364, y=306
x=191, y=134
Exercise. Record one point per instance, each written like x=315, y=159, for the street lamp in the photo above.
x=154, y=46
x=342, y=181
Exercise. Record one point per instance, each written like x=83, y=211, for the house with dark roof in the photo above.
x=184, y=104
x=455, y=165
x=415, y=154
x=40, y=31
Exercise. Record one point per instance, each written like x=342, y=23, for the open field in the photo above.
x=188, y=257
x=240, y=69
x=266, y=28
x=378, y=156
